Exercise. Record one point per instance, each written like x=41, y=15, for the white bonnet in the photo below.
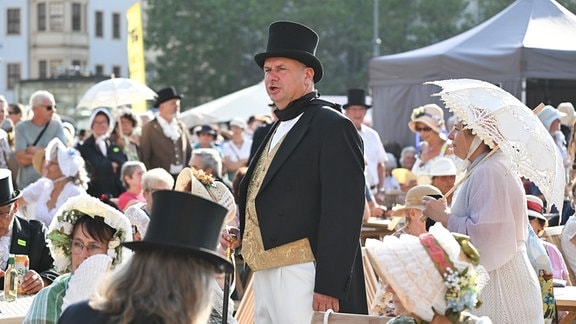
x=106, y=112
x=407, y=267
x=69, y=159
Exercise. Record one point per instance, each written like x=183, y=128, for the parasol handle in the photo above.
x=538, y=108
x=459, y=182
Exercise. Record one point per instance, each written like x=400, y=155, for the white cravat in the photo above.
x=171, y=130
x=101, y=142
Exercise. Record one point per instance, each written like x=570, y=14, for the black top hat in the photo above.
x=185, y=223
x=295, y=41
x=205, y=129
x=166, y=94
x=356, y=97
x=7, y=192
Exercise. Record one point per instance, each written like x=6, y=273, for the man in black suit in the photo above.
x=302, y=199
x=20, y=236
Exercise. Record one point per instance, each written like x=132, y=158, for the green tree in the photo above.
x=206, y=47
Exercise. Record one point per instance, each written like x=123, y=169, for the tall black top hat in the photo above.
x=356, y=97
x=166, y=94
x=7, y=192
x=185, y=223
x=295, y=41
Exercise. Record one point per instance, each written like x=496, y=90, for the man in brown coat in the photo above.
x=164, y=142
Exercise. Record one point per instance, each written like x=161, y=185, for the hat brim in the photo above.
x=158, y=102
x=221, y=264
x=532, y=213
x=15, y=195
x=38, y=160
x=301, y=56
x=348, y=105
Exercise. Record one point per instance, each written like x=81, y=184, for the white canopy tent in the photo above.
x=243, y=103
x=528, y=39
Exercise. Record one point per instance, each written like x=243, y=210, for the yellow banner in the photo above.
x=136, y=66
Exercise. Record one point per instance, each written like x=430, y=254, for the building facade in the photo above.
x=60, y=39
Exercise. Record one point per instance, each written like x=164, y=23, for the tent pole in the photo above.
x=523, y=94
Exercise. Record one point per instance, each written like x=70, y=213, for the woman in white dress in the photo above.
x=63, y=177
x=490, y=207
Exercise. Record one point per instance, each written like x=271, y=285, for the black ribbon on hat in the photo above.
x=296, y=107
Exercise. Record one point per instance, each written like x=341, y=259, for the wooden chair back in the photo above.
x=370, y=278
x=245, y=312
x=343, y=318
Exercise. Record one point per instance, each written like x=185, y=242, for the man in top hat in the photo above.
x=302, y=198
x=374, y=152
x=21, y=236
x=164, y=142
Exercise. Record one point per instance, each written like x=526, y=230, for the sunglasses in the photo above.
x=423, y=129
x=49, y=107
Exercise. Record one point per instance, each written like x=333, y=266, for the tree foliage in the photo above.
x=206, y=47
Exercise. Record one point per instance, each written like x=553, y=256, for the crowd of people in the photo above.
x=111, y=216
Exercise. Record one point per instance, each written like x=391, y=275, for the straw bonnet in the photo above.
x=548, y=115
x=187, y=224
x=60, y=230
x=202, y=185
x=431, y=115
x=294, y=41
x=569, y=117
x=38, y=160
x=535, y=207
x=414, y=198
x=403, y=175
x=409, y=268
x=69, y=160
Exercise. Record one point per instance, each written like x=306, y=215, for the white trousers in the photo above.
x=284, y=294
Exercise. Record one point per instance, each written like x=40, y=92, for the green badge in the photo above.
x=21, y=242
x=116, y=150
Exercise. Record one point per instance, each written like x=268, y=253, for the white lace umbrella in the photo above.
x=499, y=118
x=116, y=92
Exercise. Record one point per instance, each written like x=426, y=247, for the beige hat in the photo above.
x=38, y=160
x=569, y=117
x=411, y=266
x=200, y=184
x=431, y=115
x=414, y=198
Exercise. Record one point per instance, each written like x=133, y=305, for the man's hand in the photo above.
x=230, y=238
x=32, y=283
x=322, y=303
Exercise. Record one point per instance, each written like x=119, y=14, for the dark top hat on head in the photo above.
x=356, y=97
x=295, y=41
x=7, y=193
x=205, y=129
x=187, y=224
x=166, y=94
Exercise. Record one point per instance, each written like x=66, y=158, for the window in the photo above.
x=13, y=21
x=76, y=17
x=41, y=16
x=116, y=26
x=99, y=70
x=99, y=21
x=42, y=69
x=57, y=16
x=13, y=75
x=116, y=71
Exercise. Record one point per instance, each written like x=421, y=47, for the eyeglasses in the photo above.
x=423, y=129
x=77, y=247
x=49, y=107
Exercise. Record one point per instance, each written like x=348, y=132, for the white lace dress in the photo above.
x=37, y=194
x=490, y=207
